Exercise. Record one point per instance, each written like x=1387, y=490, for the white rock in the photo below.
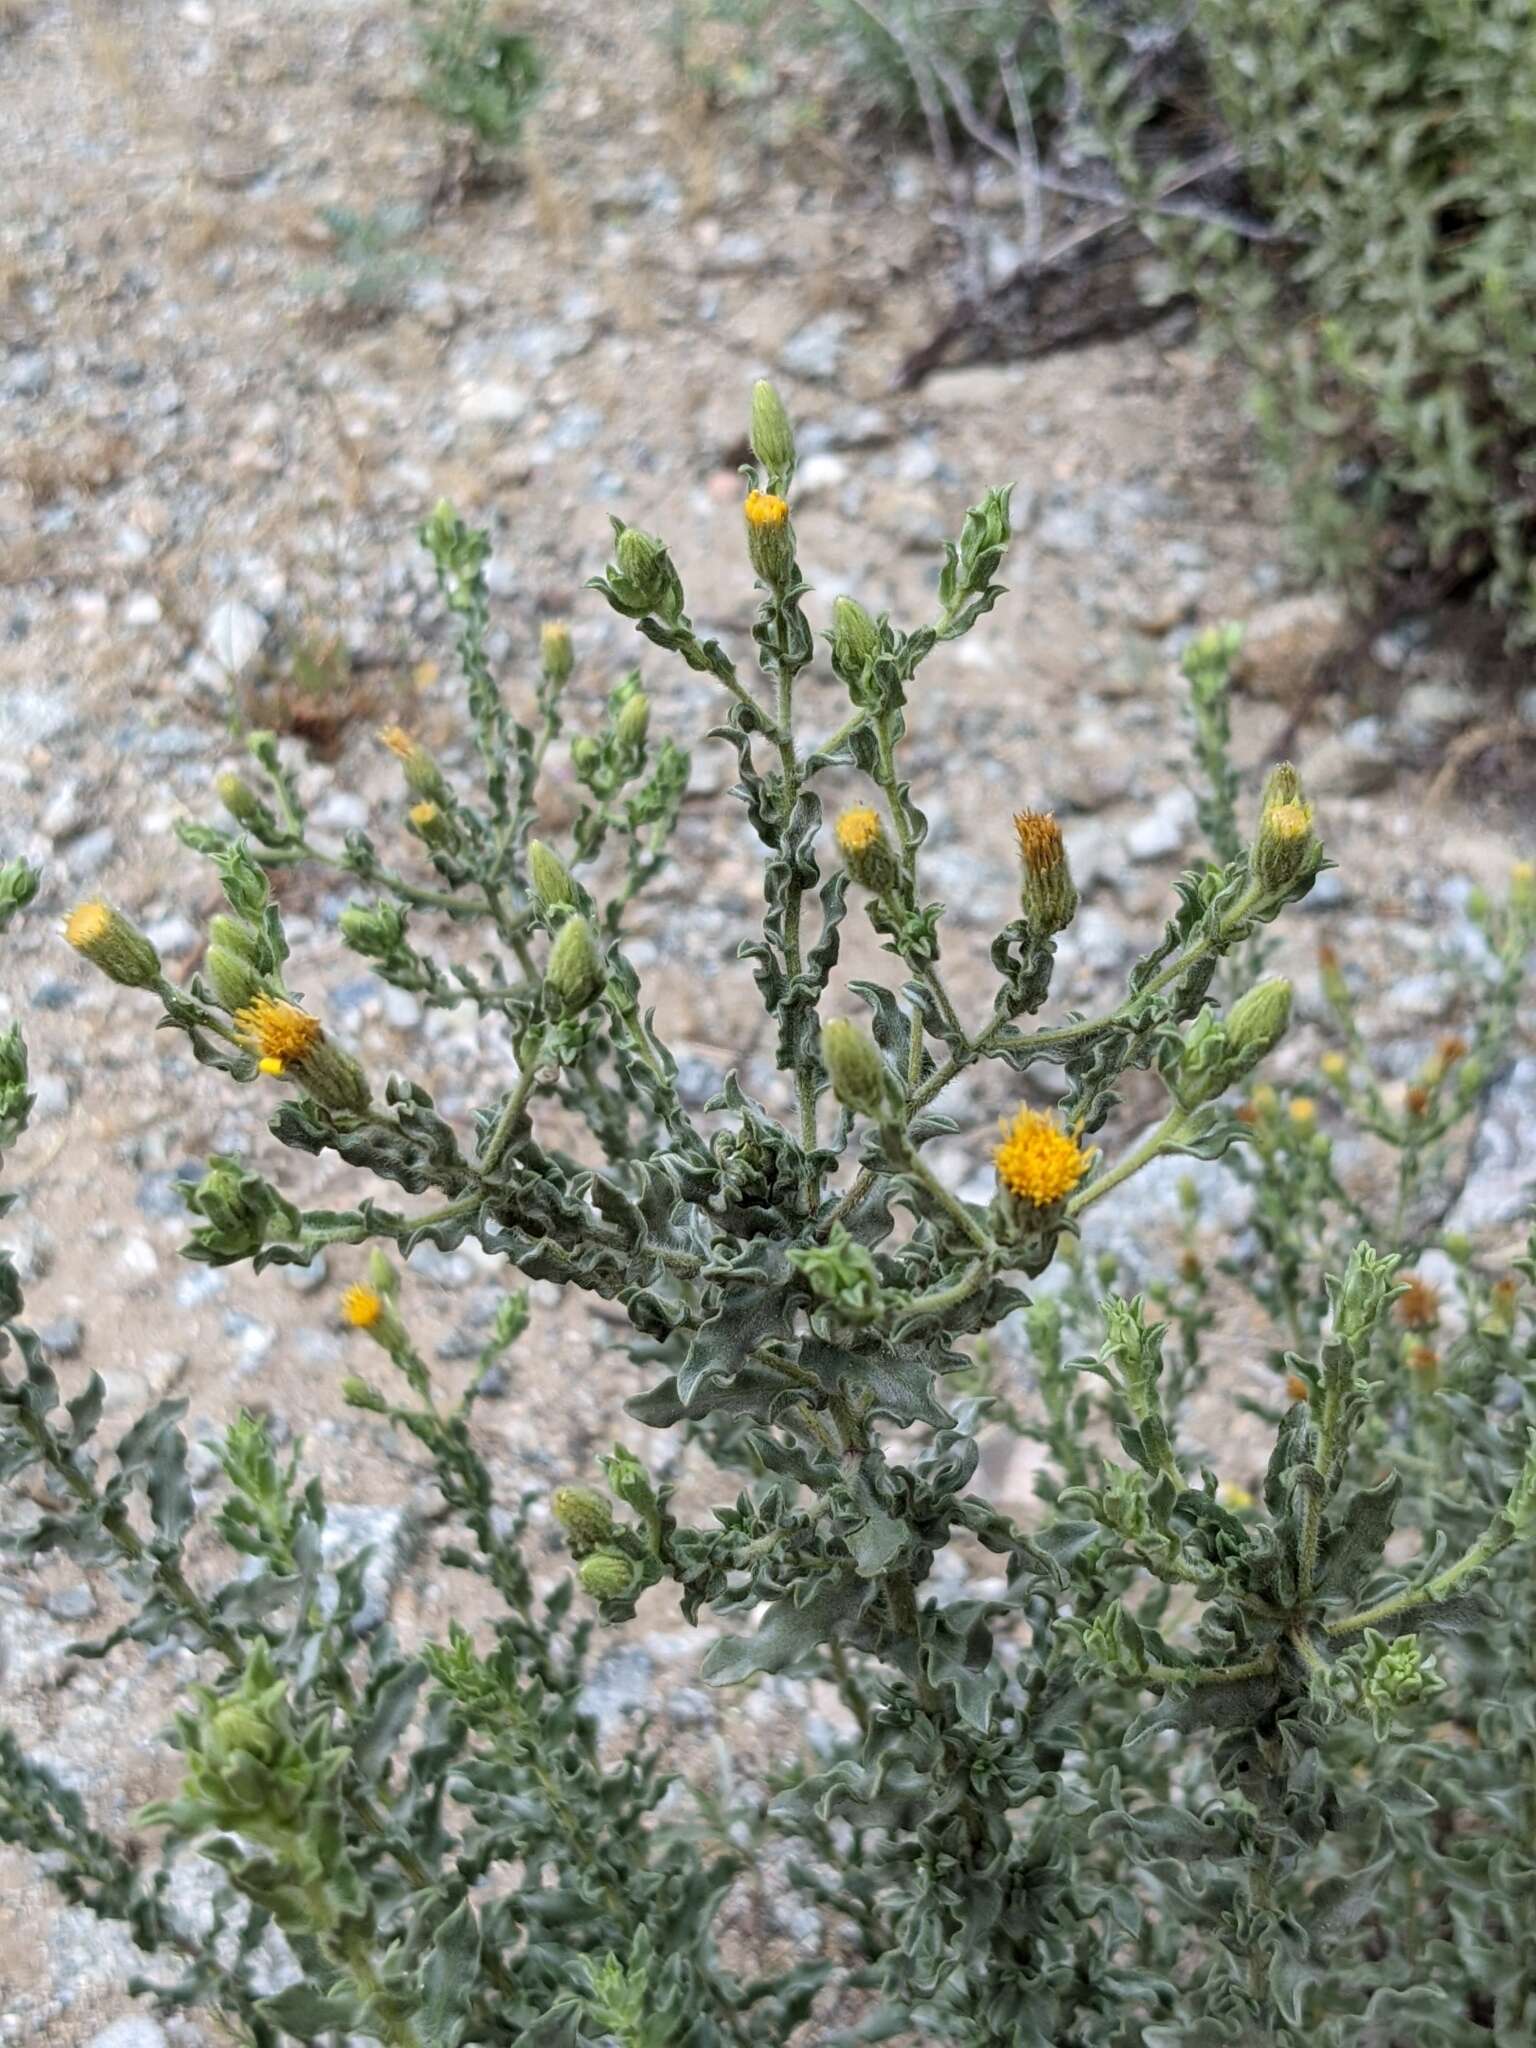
x=1164, y=829
x=137, y=2031
x=495, y=405
x=234, y=634
x=143, y=609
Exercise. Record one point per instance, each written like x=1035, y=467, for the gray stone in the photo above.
x=62, y=1338
x=200, y=1286
x=1069, y=527
x=28, y=375
x=137, y=2031
x=621, y=1684
x=1164, y=830
x=305, y=1279
x=401, y=1009
x=389, y=1535
x=90, y=854
x=71, y=1603
x=1351, y=763
x=50, y=1096
x=815, y=351
x=1501, y=1175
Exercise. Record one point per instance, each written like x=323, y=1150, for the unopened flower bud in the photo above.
x=862, y=842
x=235, y=936
x=245, y=806
x=335, y=1079
x=633, y=722
x=855, y=638
x=357, y=1393
x=643, y=562
x=1047, y=894
x=1285, y=846
x=1257, y=1022
x=575, y=969
x=854, y=1067
x=553, y=888
x=584, y=1515
x=1522, y=886
x=773, y=438
x=423, y=777
x=770, y=538
x=110, y=942
x=556, y=652
x=373, y=929
x=234, y=981
x=607, y=1574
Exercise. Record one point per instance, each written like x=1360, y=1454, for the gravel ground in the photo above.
x=206, y=465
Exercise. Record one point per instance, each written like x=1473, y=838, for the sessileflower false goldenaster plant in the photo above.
x=1108, y=1775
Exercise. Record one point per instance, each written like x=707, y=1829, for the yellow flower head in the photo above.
x=763, y=508
x=859, y=829
x=87, y=924
x=1040, y=844
x=1301, y=1109
x=423, y=816
x=279, y=1032
x=1037, y=1161
x=398, y=741
x=362, y=1307
x=1335, y=1065
x=1234, y=1497
x=1289, y=821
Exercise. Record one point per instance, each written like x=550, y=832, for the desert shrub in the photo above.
x=479, y=75
x=1170, y=1761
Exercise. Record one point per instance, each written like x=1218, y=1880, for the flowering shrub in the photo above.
x=1164, y=1763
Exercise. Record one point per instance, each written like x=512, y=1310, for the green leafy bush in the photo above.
x=480, y=76
x=1165, y=1763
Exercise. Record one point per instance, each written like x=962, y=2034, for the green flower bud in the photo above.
x=241, y=1212
x=19, y=883
x=586, y=755
x=608, y=1575
x=854, y=1067
x=633, y=722
x=645, y=571
x=556, y=651
x=423, y=777
x=1257, y=1022
x=575, y=969
x=234, y=981
x=359, y=1394
x=334, y=1078
x=246, y=807
x=773, y=438
x=553, y=888
x=236, y=936
x=110, y=942
x=373, y=929
x=239, y=1728
x=584, y=1515
x=855, y=638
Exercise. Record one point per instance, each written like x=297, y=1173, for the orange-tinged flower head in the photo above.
x=279, y=1032
x=1302, y=1110
x=398, y=741
x=1040, y=842
x=1418, y=1306
x=1037, y=1160
x=87, y=924
x=1296, y=1387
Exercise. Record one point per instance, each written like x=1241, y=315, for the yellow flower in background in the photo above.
x=1037, y=1160
x=362, y=1307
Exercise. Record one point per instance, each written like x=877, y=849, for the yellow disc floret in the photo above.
x=764, y=508
x=1037, y=1161
x=398, y=741
x=1040, y=843
x=1289, y=821
x=277, y=1031
x=362, y=1307
x=87, y=925
x=858, y=830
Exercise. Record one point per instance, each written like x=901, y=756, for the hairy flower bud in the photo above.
x=245, y=806
x=556, y=652
x=553, y=888
x=1047, y=894
x=855, y=638
x=773, y=438
x=234, y=981
x=1258, y=1020
x=770, y=538
x=431, y=824
x=236, y=936
x=633, y=722
x=423, y=777
x=585, y=1515
x=109, y=941
x=608, y=1574
x=373, y=929
x=1285, y=846
x=862, y=842
x=575, y=969
x=644, y=564
x=335, y=1079
x=854, y=1067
